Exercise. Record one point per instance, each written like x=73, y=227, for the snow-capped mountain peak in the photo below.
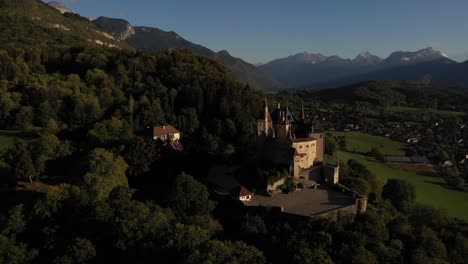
x=423, y=55
x=367, y=57
x=311, y=58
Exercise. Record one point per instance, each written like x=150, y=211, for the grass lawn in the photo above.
x=425, y=110
x=361, y=142
x=430, y=189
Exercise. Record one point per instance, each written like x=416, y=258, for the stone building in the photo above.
x=297, y=143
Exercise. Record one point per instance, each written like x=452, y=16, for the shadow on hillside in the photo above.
x=428, y=174
x=445, y=185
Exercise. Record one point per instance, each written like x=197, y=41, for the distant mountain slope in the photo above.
x=318, y=71
x=149, y=38
x=304, y=69
x=37, y=18
x=435, y=72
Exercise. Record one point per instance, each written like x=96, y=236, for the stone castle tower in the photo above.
x=297, y=143
x=265, y=125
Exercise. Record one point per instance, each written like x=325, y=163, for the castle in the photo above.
x=287, y=141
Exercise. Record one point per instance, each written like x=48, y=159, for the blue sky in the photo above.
x=262, y=30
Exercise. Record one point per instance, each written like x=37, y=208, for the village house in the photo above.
x=412, y=140
x=349, y=127
x=168, y=134
x=242, y=194
x=165, y=133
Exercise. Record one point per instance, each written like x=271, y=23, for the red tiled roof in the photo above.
x=164, y=130
x=244, y=192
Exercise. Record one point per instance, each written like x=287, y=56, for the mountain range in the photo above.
x=303, y=70
x=306, y=70
x=150, y=38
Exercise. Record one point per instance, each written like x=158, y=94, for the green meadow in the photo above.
x=361, y=142
x=430, y=188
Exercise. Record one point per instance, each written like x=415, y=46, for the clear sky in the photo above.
x=262, y=30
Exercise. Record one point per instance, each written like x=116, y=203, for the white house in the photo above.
x=165, y=133
x=244, y=194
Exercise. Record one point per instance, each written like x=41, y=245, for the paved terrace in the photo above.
x=306, y=202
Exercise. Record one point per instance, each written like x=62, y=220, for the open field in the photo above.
x=430, y=189
x=421, y=110
x=361, y=142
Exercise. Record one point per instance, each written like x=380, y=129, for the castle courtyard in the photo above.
x=307, y=202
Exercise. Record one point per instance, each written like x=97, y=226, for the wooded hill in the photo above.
x=395, y=93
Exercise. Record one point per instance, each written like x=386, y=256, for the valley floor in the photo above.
x=430, y=188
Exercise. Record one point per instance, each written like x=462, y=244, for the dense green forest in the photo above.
x=115, y=195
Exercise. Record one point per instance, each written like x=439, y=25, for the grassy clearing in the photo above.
x=430, y=189
x=424, y=110
x=32, y=187
x=361, y=142
x=8, y=137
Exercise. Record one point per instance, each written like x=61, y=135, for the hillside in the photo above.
x=395, y=93
x=29, y=20
x=149, y=38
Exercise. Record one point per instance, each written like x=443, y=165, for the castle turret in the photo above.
x=265, y=124
x=266, y=114
x=302, y=113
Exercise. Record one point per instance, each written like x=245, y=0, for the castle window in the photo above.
x=307, y=146
x=300, y=146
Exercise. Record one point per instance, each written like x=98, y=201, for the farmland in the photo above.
x=430, y=189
